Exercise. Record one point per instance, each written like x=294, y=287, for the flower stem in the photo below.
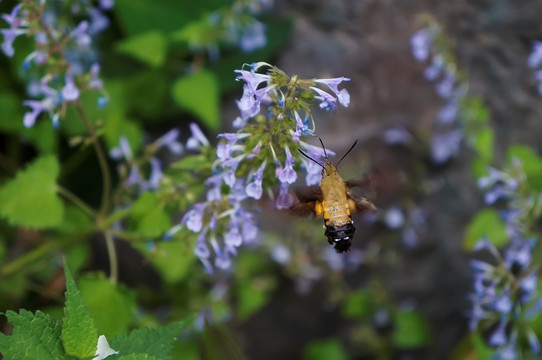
x=112, y=252
x=77, y=201
x=39, y=252
x=106, y=176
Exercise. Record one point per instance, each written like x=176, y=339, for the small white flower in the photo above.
x=103, y=349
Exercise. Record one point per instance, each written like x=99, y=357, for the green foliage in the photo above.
x=167, y=15
x=111, y=306
x=149, y=217
x=532, y=164
x=149, y=48
x=325, y=350
x=174, y=259
x=30, y=199
x=358, y=306
x=156, y=342
x=199, y=94
x=116, y=122
x=411, y=330
x=483, y=143
x=486, y=223
x=35, y=336
x=79, y=335
x=136, y=357
x=254, y=285
x=39, y=336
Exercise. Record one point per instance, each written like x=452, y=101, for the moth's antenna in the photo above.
x=351, y=147
x=323, y=147
x=308, y=157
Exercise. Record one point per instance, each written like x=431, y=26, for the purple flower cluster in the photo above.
x=133, y=167
x=261, y=155
x=235, y=25
x=505, y=295
x=535, y=62
x=409, y=221
x=265, y=89
x=57, y=43
x=221, y=221
x=426, y=47
x=505, y=299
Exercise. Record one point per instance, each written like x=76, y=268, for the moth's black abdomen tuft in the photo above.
x=340, y=236
x=342, y=245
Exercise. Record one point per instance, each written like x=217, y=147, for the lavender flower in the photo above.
x=444, y=88
x=433, y=71
x=285, y=200
x=342, y=95
x=170, y=141
x=17, y=26
x=253, y=37
x=288, y=174
x=448, y=113
x=420, y=44
x=328, y=102
x=122, y=151
x=193, y=219
x=445, y=146
x=397, y=136
x=197, y=139
x=70, y=92
x=535, y=58
x=254, y=188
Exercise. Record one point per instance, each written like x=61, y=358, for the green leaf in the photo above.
x=77, y=255
x=11, y=118
x=411, y=330
x=166, y=15
x=30, y=199
x=174, y=259
x=532, y=164
x=33, y=337
x=149, y=216
x=149, y=48
x=486, y=223
x=325, y=350
x=79, y=334
x=156, y=342
x=252, y=296
x=135, y=357
x=111, y=305
x=483, y=351
x=479, y=167
x=187, y=350
x=75, y=220
x=474, y=112
x=483, y=142
x=358, y=306
x=199, y=94
x=148, y=94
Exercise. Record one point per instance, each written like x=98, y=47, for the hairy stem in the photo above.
x=112, y=252
x=77, y=201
